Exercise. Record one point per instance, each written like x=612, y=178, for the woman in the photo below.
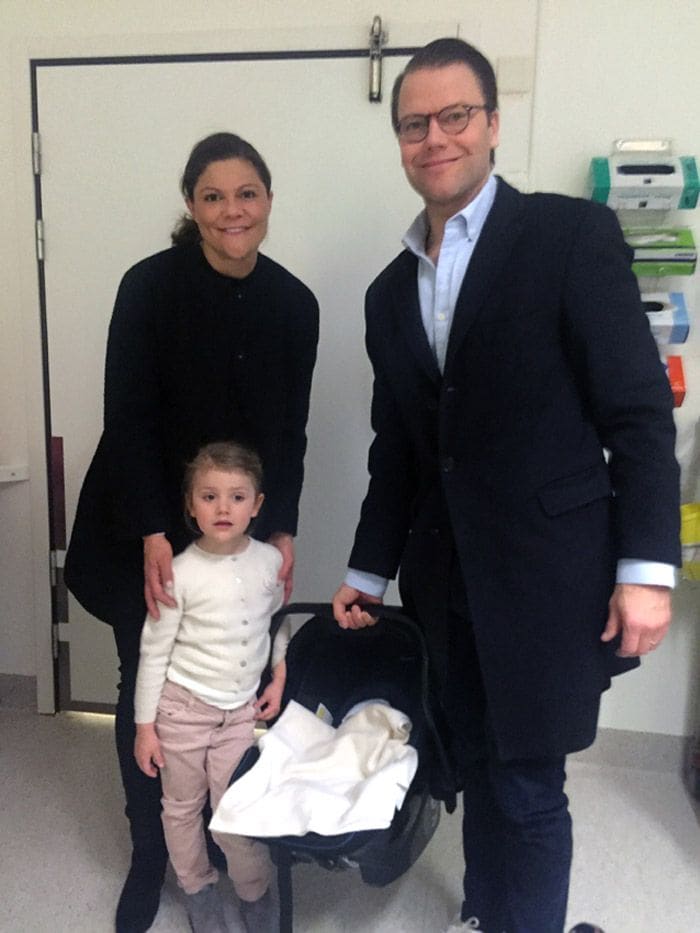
x=209, y=341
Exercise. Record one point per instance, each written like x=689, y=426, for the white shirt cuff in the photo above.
x=652, y=573
x=369, y=583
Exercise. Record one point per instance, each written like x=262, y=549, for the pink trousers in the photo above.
x=202, y=745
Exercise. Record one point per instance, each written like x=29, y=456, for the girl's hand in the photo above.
x=157, y=573
x=147, y=751
x=285, y=545
x=270, y=701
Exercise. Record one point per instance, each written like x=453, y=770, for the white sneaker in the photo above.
x=461, y=926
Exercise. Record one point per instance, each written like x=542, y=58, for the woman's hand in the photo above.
x=157, y=573
x=285, y=545
x=147, y=751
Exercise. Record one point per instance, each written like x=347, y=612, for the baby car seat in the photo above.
x=334, y=669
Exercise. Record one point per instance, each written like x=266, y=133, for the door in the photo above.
x=111, y=165
x=114, y=140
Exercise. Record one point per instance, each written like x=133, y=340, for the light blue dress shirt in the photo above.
x=438, y=289
x=439, y=284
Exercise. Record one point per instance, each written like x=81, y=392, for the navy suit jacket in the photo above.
x=501, y=459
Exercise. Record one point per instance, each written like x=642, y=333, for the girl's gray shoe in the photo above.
x=205, y=911
x=260, y=916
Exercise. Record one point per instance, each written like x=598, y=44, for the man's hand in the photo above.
x=147, y=751
x=349, y=615
x=285, y=545
x=157, y=573
x=641, y=613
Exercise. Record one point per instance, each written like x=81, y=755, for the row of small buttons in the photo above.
x=244, y=642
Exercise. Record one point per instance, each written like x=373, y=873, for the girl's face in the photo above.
x=231, y=206
x=223, y=504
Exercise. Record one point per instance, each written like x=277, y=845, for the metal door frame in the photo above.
x=53, y=445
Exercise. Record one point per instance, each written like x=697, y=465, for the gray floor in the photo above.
x=64, y=847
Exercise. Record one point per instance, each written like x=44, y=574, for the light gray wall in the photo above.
x=601, y=72
x=606, y=71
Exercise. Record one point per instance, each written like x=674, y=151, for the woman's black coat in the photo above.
x=193, y=356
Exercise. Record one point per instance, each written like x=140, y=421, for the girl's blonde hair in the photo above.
x=221, y=455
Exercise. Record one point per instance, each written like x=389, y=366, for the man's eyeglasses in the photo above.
x=451, y=120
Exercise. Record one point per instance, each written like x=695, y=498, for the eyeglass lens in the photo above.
x=451, y=120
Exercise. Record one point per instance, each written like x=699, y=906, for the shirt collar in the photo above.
x=473, y=219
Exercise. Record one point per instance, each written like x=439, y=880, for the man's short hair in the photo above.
x=442, y=52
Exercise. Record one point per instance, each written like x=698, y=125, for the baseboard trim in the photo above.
x=17, y=691
x=647, y=751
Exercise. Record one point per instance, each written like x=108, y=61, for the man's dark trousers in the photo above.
x=516, y=825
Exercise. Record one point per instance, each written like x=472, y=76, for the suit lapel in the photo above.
x=408, y=316
x=503, y=226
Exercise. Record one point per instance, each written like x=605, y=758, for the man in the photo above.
x=522, y=475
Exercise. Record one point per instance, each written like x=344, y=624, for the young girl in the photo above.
x=198, y=674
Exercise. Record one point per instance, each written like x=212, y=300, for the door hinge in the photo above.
x=54, y=641
x=36, y=153
x=40, y=240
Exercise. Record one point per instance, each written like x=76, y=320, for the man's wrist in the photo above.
x=370, y=583
x=645, y=572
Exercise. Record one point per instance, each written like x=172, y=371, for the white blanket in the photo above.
x=312, y=777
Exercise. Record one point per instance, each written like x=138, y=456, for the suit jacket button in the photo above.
x=448, y=464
